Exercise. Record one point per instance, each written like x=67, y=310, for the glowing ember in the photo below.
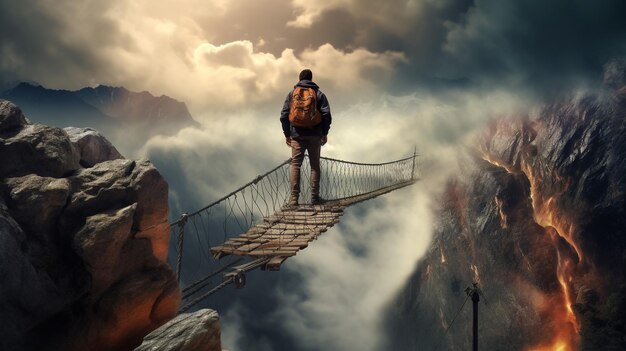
x=476, y=275
x=546, y=214
x=503, y=219
x=557, y=313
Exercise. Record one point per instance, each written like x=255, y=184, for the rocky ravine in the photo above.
x=538, y=219
x=83, y=241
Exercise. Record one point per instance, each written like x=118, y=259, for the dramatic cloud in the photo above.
x=398, y=74
x=543, y=45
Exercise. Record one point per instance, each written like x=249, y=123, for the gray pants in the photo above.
x=312, y=144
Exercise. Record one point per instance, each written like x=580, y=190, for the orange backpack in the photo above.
x=303, y=110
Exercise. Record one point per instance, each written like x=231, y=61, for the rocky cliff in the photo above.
x=83, y=241
x=538, y=221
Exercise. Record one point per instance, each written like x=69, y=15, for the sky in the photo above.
x=398, y=74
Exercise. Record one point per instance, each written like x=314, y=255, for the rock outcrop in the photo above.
x=83, y=241
x=93, y=146
x=538, y=220
x=198, y=331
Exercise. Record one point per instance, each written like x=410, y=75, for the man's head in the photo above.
x=306, y=74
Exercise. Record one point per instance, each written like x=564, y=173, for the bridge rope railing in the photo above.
x=195, y=233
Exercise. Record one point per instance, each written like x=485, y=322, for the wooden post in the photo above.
x=475, y=299
x=474, y=292
x=413, y=167
x=181, y=236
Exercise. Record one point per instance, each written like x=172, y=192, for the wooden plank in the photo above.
x=307, y=219
x=274, y=245
x=275, y=262
x=282, y=236
x=256, y=230
x=230, y=243
x=302, y=231
x=250, y=237
x=249, y=247
x=316, y=208
x=260, y=240
x=306, y=214
x=237, y=240
x=311, y=222
x=264, y=252
x=291, y=226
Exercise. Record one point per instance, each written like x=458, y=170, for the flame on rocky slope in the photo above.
x=541, y=220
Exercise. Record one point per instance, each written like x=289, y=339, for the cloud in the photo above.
x=351, y=273
x=533, y=43
x=391, y=15
x=145, y=47
x=332, y=295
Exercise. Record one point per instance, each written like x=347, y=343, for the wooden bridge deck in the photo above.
x=282, y=235
x=290, y=230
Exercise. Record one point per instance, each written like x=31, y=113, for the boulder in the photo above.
x=198, y=331
x=93, y=146
x=44, y=196
x=99, y=243
x=37, y=149
x=11, y=116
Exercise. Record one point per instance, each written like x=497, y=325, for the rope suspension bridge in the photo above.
x=252, y=228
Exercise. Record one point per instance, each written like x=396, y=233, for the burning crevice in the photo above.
x=546, y=213
x=542, y=215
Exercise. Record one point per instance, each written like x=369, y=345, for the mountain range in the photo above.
x=110, y=110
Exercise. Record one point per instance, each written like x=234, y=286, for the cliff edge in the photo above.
x=83, y=241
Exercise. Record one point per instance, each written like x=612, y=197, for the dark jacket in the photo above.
x=322, y=106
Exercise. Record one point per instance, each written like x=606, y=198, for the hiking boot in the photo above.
x=316, y=200
x=293, y=201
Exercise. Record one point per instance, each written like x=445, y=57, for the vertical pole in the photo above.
x=181, y=237
x=413, y=167
x=475, y=299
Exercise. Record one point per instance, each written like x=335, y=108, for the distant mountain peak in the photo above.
x=133, y=117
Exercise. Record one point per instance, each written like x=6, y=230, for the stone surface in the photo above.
x=93, y=146
x=82, y=250
x=198, y=331
x=11, y=117
x=37, y=149
x=538, y=220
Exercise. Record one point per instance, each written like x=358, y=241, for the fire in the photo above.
x=503, y=218
x=476, y=274
x=559, y=345
x=557, y=314
x=492, y=160
x=443, y=258
x=546, y=214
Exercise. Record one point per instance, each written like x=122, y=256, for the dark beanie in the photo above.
x=306, y=74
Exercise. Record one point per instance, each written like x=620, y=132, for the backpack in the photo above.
x=303, y=110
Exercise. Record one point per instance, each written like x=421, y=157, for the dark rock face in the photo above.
x=198, y=331
x=82, y=250
x=539, y=223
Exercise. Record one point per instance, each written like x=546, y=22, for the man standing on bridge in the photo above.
x=306, y=119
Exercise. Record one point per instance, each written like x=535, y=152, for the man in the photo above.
x=305, y=119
